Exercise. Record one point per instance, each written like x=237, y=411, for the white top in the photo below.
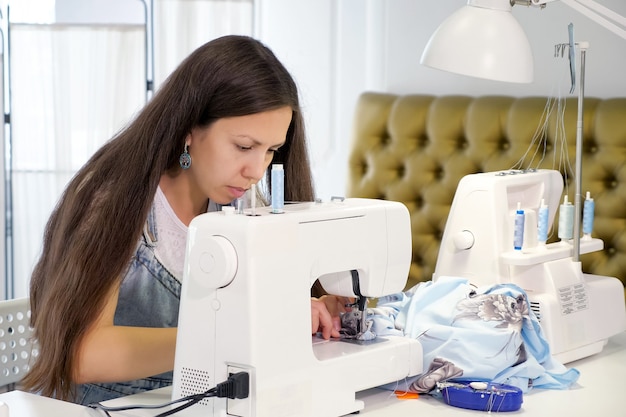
x=172, y=236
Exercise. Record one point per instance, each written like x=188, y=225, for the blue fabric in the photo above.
x=482, y=334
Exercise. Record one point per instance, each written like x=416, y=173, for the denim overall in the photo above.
x=149, y=297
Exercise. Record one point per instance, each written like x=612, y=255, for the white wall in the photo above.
x=77, y=11
x=338, y=49
x=333, y=50
x=417, y=20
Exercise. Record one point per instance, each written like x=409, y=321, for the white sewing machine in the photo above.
x=245, y=305
x=578, y=312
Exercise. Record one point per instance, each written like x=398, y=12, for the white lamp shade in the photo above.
x=482, y=40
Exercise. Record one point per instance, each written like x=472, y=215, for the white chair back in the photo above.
x=17, y=350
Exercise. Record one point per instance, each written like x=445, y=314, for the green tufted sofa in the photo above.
x=415, y=149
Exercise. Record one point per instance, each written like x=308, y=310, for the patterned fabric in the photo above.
x=481, y=334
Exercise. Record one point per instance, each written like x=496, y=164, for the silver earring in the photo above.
x=185, y=158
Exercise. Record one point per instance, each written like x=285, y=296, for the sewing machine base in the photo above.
x=327, y=389
x=368, y=364
x=578, y=334
x=578, y=312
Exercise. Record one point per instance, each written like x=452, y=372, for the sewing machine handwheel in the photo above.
x=463, y=240
x=213, y=262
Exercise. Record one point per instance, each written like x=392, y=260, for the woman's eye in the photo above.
x=244, y=148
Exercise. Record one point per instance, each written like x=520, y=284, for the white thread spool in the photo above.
x=566, y=220
x=518, y=234
x=253, y=199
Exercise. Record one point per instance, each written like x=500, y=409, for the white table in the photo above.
x=600, y=391
x=23, y=404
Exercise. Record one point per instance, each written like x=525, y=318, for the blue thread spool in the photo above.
x=588, y=214
x=278, y=188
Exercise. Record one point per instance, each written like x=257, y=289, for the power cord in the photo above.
x=237, y=386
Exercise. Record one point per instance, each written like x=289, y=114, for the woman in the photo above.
x=105, y=292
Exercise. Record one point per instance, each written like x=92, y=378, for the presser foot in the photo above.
x=355, y=326
x=362, y=342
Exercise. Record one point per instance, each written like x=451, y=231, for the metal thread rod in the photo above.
x=149, y=47
x=9, y=274
x=579, y=157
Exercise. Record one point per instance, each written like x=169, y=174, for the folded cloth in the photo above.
x=482, y=334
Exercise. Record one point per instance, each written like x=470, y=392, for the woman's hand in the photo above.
x=325, y=314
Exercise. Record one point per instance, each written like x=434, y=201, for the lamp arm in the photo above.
x=600, y=14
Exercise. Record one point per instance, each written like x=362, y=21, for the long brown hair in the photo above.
x=92, y=233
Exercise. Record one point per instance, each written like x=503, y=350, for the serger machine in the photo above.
x=578, y=312
x=246, y=306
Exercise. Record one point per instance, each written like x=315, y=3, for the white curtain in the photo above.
x=73, y=87
x=183, y=25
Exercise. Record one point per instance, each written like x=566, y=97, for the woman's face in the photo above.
x=234, y=152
